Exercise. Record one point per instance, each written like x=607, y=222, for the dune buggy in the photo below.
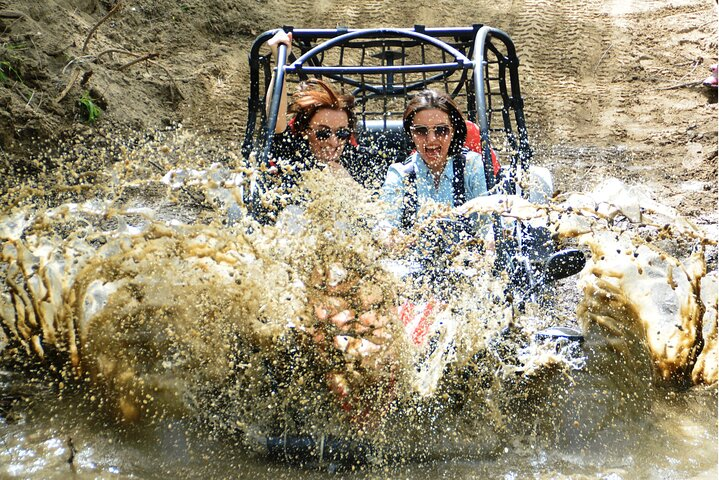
x=383, y=68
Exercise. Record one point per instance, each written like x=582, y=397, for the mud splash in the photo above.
x=157, y=298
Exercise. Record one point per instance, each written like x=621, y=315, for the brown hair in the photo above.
x=434, y=100
x=309, y=98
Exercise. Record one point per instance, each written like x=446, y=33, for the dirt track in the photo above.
x=601, y=80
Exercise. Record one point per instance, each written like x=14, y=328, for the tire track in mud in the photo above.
x=386, y=13
x=672, y=44
x=331, y=14
x=609, y=74
x=218, y=103
x=592, y=70
x=563, y=45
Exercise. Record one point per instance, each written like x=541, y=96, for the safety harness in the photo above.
x=410, y=202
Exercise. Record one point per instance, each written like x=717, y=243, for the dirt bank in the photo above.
x=610, y=87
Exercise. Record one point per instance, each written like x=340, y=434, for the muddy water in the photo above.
x=677, y=440
x=152, y=333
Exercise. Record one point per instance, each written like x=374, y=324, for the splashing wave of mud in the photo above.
x=165, y=308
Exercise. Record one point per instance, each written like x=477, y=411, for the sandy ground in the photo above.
x=611, y=88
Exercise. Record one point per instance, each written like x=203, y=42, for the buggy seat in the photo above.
x=388, y=144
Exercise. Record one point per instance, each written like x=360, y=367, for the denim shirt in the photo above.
x=395, y=188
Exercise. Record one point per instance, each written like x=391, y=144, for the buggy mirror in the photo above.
x=525, y=279
x=563, y=264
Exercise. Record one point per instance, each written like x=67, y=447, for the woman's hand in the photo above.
x=280, y=38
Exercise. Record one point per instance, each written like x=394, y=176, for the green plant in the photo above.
x=9, y=61
x=6, y=69
x=91, y=109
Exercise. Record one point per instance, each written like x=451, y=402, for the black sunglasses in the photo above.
x=423, y=131
x=325, y=133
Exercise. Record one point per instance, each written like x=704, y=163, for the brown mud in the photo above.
x=611, y=88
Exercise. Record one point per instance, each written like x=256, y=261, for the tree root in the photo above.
x=148, y=56
x=145, y=57
x=112, y=11
x=683, y=85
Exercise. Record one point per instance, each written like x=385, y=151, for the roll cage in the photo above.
x=383, y=68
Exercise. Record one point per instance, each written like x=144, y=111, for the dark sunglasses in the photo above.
x=325, y=133
x=423, y=131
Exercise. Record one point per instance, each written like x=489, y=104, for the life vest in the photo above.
x=474, y=143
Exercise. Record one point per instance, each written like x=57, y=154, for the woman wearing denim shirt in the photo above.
x=440, y=170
